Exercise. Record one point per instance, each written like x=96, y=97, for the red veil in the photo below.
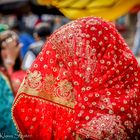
x=84, y=84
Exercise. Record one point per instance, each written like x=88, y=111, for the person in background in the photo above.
x=83, y=85
x=136, y=44
x=57, y=22
x=41, y=32
x=25, y=38
x=7, y=128
x=120, y=24
x=10, y=60
x=29, y=20
x=3, y=27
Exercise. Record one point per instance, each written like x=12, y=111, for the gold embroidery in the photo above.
x=64, y=89
x=49, y=82
x=104, y=126
x=34, y=79
x=49, y=88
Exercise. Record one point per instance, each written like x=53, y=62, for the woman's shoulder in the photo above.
x=5, y=79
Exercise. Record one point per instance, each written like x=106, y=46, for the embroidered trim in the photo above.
x=13, y=118
x=23, y=95
x=49, y=88
x=104, y=126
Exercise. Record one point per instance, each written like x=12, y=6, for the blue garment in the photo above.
x=7, y=127
x=26, y=40
x=136, y=47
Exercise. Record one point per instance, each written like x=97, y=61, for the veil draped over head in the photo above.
x=84, y=84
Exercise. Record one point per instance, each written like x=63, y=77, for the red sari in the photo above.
x=84, y=84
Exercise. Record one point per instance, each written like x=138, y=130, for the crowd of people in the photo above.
x=80, y=81
x=20, y=43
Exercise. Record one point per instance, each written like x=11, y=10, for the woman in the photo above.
x=10, y=59
x=84, y=84
x=7, y=128
x=41, y=33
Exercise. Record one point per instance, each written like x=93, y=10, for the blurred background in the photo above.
x=28, y=13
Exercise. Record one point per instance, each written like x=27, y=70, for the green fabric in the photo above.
x=7, y=127
x=3, y=27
